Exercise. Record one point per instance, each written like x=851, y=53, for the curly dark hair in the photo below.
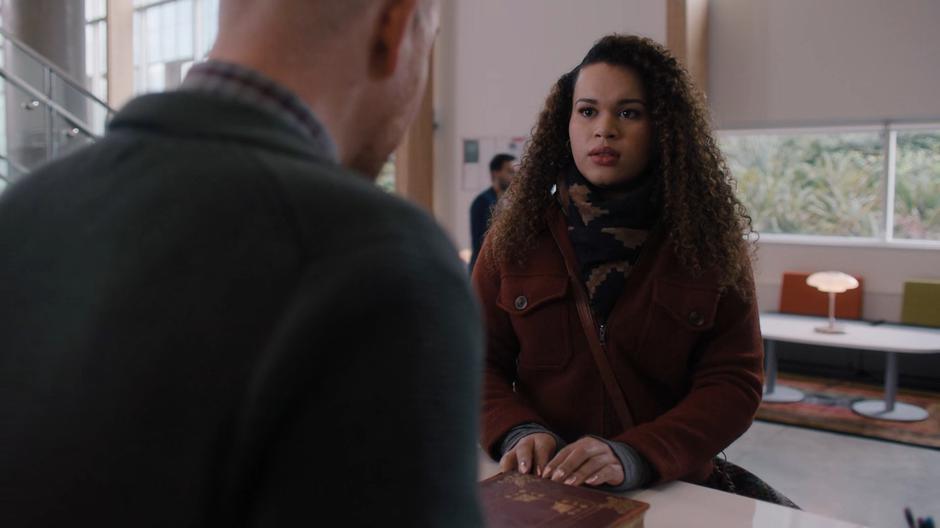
x=708, y=225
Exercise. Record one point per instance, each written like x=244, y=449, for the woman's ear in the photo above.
x=391, y=31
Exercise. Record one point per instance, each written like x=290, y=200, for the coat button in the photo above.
x=696, y=319
x=521, y=302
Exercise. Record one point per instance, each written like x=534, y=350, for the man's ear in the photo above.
x=393, y=24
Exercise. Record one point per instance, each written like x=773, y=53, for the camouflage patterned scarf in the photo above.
x=607, y=231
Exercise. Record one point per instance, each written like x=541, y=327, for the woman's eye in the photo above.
x=630, y=114
x=586, y=112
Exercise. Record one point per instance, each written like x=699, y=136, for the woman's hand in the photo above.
x=587, y=461
x=534, y=449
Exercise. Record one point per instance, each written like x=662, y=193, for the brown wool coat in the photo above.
x=688, y=357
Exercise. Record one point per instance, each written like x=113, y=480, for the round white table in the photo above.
x=888, y=338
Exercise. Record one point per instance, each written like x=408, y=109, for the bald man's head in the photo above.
x=317, y=18
x=361, y=65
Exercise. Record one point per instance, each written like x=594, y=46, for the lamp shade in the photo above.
x=832, y=281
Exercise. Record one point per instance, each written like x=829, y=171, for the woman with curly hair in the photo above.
x=623, y=342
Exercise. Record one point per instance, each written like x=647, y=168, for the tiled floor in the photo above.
x=845, y=477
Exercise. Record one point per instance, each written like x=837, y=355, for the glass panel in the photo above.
x=184, y=68
x=25, y=66
x=3, y=117
x=35, y=134
x=75, y=100
x=89, y=49
x=100, y=85
x=27, y=125
x=207, y=26
x=167, y=32
x=67, y=137
x=184, y=22
x=96, y=58
x=810, y=183
x=172, y=34
x=95, y=9
x=156, y=77
x=138, y=39
x=151, y=20
x=386, y=179
x=917, y=186
x=145, y=3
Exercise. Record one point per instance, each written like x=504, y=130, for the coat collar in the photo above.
x=205, y=115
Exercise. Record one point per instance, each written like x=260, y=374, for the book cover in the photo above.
x=514, y=499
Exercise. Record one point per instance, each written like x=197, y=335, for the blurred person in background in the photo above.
x=502, y=171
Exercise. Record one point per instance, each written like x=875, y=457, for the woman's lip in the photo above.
x=605, y=160
x=603, y=151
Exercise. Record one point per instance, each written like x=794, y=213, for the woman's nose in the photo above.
x=605, y=129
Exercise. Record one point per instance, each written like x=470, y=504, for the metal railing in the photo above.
x=29, y=66
x=38, y=129
x=46, y=113
x=10, y=172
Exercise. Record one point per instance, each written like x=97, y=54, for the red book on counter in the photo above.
x=516, y=500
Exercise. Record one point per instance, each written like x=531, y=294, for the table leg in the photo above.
x=774, y=393
x=770, y=356
x=889, y=408
x=891, y=381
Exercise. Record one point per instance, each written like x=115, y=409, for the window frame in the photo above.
x=889, y=131
x=98, y=25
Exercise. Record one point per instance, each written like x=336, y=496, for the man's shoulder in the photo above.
x=340, y=210
x=481, y=205
x=488, y=196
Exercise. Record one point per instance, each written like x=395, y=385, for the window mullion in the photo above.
x=891, y=141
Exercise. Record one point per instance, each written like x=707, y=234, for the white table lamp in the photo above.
x=832, y=282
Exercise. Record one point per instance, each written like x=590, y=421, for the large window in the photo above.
x=96, y=47
x=386, y=177
x=839, y=183
x=917, y=185
x=169, y=36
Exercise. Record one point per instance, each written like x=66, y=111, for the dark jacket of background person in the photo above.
x=687, y=357
x=205, y=321
x=480, y=211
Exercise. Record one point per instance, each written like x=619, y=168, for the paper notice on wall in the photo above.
x=477, y=153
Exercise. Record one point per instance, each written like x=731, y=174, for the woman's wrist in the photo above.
x=521, y=431
x=636, y=470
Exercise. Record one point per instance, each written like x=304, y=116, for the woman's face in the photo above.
x=610, y=129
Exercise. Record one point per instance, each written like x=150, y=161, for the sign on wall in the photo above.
x=477, y=153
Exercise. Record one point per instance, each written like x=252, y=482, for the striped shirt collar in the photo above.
x=244, y=85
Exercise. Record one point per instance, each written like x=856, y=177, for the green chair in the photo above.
x=921, y=305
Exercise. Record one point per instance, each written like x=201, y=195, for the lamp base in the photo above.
x=835, y=329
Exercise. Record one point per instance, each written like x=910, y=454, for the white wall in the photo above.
x=807, y=62
x=828, y=62
x=495, y=62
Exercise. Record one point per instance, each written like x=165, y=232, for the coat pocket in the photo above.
x=539, y=309
x=679, y=317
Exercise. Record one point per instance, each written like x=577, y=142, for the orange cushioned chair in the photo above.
x=797, y=297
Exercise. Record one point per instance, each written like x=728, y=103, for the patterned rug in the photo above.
x=827, y=406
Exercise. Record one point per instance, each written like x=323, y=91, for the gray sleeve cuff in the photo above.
x=520, y=431
x=636, y=470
